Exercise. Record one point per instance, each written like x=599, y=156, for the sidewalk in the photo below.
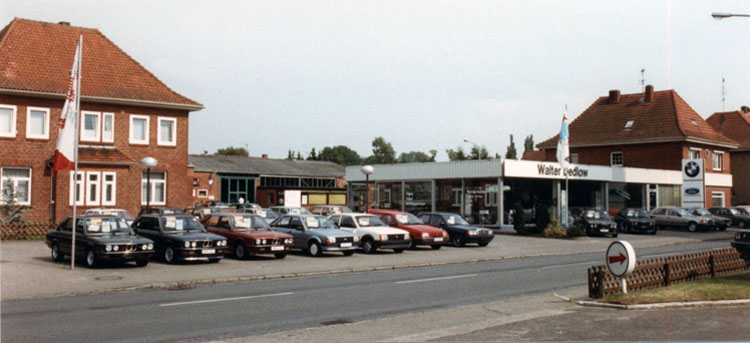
x=27, y=270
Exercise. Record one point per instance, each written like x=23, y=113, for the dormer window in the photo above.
x=629, y=124
x=694, y=122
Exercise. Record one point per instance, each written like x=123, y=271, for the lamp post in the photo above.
x=148, y=163
x=476, y=146
x=720, y=15
x=367, y=170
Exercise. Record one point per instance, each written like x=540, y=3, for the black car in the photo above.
x=742, y=243
x=635, y=220
x=720, y=223
x=100, y=239
x=160, y=210
x=459, y=230
x=181, y=237
x=596, y=222
x=738, y=219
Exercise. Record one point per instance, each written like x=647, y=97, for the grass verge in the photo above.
x=725, y=287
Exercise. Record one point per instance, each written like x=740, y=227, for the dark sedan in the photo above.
x=596, y=222
x=720, y=223
x=742, y=243
x=100, y=239
x=459, y=230
x=738, y=219
x=181, y=237
x=635, y=220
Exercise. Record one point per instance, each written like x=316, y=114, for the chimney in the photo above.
x=264, y=156
x=614, y=96
x=649, y=97
x=745, y=110
x=64, y=23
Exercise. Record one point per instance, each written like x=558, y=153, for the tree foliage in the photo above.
x=233, y=151
x=511, y=152
x=456, y=155
x=528, y=143
x=416, y=156
x=479, y=153
x=382, y=152
x=340, y=154
x=312, y=156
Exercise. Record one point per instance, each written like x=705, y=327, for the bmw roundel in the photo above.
x=692, y=169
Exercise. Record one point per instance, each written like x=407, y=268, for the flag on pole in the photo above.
x=65, y=150
x=563, y=151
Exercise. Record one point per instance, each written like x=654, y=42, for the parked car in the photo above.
x=741, y=242
x=328, y=210
x=744, y=209
x=678, y=217
x=249, y=234
x=117, y=212
x=373, y=233
x=596, y=222
x=180, y=237
x=720, y=223
x=459, y=230
x=289, y=210
x=316, y=234
x=99, y=238
x=635, y=220
x=267, y=214
x=202, y=212
x=247, y=205
x=738, y=219
x=420, y=233
x=160, y=210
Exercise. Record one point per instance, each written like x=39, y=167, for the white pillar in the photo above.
x=500, y=202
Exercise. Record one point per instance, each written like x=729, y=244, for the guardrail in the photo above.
x=664, y=271
x=26, y=230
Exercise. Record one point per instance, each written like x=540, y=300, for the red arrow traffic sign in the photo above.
x=614, y=259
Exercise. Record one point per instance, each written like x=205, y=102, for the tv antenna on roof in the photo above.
x=643, y=80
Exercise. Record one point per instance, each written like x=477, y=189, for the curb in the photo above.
x=664, y=305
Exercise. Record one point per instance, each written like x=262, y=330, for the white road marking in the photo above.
x=437, y=278
x=225, y=299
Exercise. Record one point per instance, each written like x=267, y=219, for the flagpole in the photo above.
x=75, y=155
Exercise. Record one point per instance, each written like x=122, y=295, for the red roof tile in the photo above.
x=735, y=125
x=37, y=56
x=533, y=155
x=666, y=118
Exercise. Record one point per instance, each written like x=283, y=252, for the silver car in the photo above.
x=316, y=234
x=678, y=217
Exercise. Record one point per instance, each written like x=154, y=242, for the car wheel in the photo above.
x=348, y=252
x=240, y=251
x=741, y=225
x=57, y=255
x=280, y=255
x=141, y=262
x=169, y=255
x=436, y=246
x=483, y=244
x=398, y=250
x=368, y=246
x=91, y=260
x=214, y=260
x=692, y=227
x=314, y=249
x=614, y=235
x=458, y=240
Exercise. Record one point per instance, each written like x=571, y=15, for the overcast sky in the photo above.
x=280, y=75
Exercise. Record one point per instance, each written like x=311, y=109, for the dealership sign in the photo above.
x=546, y=169
x=551, y=170
x=693, y=185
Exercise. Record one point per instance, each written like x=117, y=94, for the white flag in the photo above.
x=65, y=150
x=563, y=150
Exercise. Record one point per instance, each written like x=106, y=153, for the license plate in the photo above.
x=208, y=251
x=346, y=245
x=604, y=230
x=277, y=248
x=438, y=239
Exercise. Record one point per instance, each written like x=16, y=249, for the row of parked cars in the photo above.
x=208, y=233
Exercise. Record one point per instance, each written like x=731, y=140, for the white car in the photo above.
x=117, y=212
x=372, y=232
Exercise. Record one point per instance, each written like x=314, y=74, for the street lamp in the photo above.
x=721, y=15
x=476, y=146
x=367, y=170
x=148, y=163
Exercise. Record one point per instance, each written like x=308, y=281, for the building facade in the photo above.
x=736, y=125
x=126, y=114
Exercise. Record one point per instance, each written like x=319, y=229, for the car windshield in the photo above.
x=368, y=221
x=454, y=219
x=295, y=210
x=340, y=209
x=106, y=225
x=636, y=213
x=248, y=222
x=270, y=214
x=408, y=219
x=181, y=224
x=316, y=222
x=701, y=212
x=742, y=210
x=596, y=214
x=734, y=212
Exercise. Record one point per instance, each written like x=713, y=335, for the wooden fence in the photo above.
x=665, y=271
x=26, y=230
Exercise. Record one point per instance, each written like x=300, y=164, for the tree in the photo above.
x=382, y=151
x=340, y=154
x=10, y=211
x=479, y=153
x=511, y=152
x=456, y=155
x=233, y=151
x=416, y=156
x=290, y=155
x=528, y=143
x=299, y=156
x=312, y=156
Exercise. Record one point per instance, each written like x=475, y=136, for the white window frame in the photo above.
x=629, y=124
x=490, y=195
x=4, y=179
x=153, y=188
x=387, y=195
x=174, y=132
x=106, y=184
x=717, y=160
x=131, y=137
x=456, y=200
x=693, y=151
x=13, y=110
x=104, y=117
x=98, y=126
x=612, y=158
x=79, y=183
x=45, y=134
x=718, y=195
x=203, y=193
x=97, y=192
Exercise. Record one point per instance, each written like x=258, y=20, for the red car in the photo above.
x=421, y=234
x=249, y=234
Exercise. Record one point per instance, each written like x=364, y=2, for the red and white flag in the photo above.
x=65, y=151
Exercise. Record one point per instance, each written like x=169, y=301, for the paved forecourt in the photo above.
x=27, y=270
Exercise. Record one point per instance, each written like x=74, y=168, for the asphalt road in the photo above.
x=217, y=312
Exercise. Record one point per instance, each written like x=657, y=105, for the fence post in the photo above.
x=666, y=274
x=712, y=264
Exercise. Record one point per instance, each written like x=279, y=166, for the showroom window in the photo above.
x=718, y=160
x=167, y=131
x=37, y=123
x=616, y=158
x=15, y=184
x=138, y=129
x=7, y=121
x=158, y=188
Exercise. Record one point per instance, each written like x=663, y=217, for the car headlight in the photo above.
x=187, y=244
x=356, y=238
x=471, y=233
x=193, y=244
x=257, y=242
x=115, y=247
x=406, y=236
x=144, y=247
x=223, y=243
x=425, y=235
x=263, y=241
x=108, y=248
x=383, y=237
x=331, y=240
x=445, y=234
x=150, y=247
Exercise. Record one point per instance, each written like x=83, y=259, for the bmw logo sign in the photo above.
x=692, y=169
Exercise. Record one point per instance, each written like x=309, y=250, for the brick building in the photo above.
x=651, y=130
x=736, y=125
x=126, y=115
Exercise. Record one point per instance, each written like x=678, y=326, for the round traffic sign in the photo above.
x=620, y=258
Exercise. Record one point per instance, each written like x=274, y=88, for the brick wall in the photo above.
x=741, y=177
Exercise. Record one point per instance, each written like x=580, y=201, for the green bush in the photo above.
x=554, y=230
x=541, y=217
x=575, y=231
